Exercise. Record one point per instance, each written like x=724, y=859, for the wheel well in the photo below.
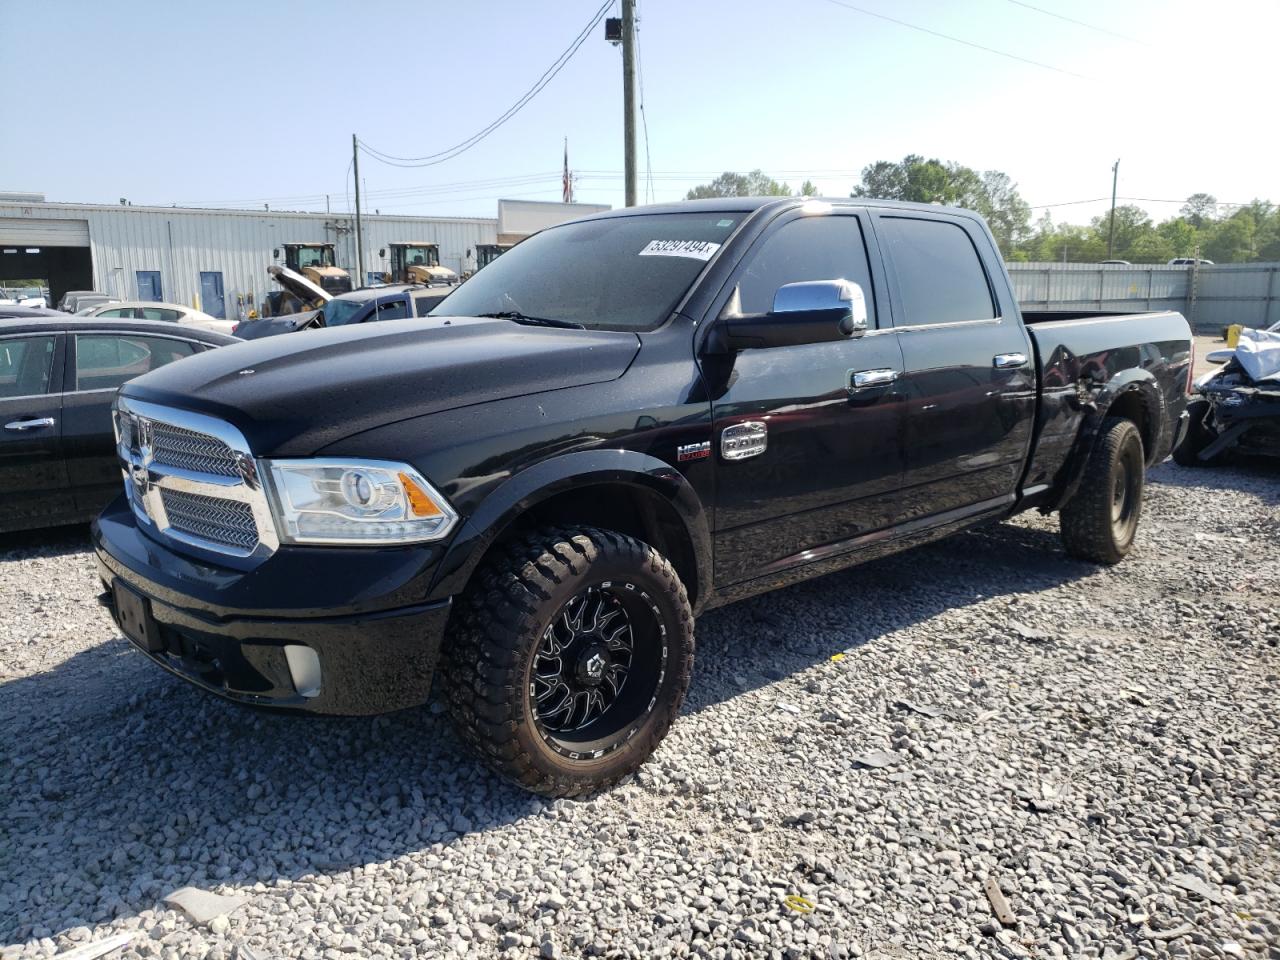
x=1132, y=406
x=634, y=511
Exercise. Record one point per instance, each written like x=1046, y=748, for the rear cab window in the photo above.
x=940, y=275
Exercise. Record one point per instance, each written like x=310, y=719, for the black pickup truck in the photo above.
x=622, y=422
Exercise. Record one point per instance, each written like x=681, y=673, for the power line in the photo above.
x=1079, y=23
x=967, y=43
x=443, y=155
x=1065, y=203
x=1072, y=203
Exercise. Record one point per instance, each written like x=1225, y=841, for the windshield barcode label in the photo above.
x=694, y=249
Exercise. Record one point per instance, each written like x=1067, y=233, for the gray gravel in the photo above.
x=1100, y=746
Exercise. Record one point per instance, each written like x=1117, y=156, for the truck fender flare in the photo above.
x=529, y=487
x=1141, y=383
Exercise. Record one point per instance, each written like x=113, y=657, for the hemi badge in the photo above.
x=693, y=451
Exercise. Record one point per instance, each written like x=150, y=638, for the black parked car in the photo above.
x=58, y=377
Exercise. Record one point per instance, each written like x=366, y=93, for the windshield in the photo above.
x=315, y=257
x=338, y=313
x=617, y=273
x=421, y=256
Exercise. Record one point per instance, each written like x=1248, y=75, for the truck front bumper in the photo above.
x=339, y=658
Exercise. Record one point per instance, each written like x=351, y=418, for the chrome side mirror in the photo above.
x=824, y=299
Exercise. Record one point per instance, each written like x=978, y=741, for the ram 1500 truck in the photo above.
x=622, y=422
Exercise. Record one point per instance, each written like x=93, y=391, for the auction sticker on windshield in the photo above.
x=694, y=249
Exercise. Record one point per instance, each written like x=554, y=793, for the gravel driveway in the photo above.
x=1099, y=746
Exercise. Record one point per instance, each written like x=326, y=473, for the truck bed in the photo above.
x=1090, y=361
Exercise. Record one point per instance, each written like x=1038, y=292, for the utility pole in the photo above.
x=629, y=98
x=1111, y=236
x=355, y=163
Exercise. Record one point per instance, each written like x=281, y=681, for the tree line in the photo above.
x=1202, y=227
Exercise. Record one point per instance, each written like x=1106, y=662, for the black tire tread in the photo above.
x=504, y=602
x=1085, y=520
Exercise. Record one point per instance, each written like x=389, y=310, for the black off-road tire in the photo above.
x=495, y=634
x=1100, y=521
x=1196, y=437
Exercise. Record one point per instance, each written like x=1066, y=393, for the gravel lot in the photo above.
x=1102, y=743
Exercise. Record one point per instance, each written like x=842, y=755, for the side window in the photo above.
x=940, y=277
x=26, y=366
x=117, y=312
x=426, y=303
x=160, y=313
x=393, y=311
x=809, y=248
x=105, y=361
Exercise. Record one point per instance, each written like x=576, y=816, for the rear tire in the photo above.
x=1196, y=438
x=1099, y=523
x=568, y=658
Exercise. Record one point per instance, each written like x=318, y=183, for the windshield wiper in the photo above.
x=517, y=317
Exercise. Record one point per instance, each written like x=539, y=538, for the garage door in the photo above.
x=31, y=232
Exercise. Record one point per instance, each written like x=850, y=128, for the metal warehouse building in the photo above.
x=214, y=259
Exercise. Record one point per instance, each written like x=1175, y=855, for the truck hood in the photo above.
x=298, y=285
x=292, y=396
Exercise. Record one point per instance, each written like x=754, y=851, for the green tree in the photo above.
x=1268, y=241
x=808, y=189
x=1077, y=244
x=1199, y=209
x=1132, y=225
x=915, y=179
x=1180, y=237
x=1007, y=213
x=1231, y=240
x=753, y=184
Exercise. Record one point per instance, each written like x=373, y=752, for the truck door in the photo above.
x=969, y=381
x=805, y=461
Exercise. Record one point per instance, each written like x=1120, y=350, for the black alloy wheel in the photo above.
x=568, y=658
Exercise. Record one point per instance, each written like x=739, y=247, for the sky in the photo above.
x=240, y=103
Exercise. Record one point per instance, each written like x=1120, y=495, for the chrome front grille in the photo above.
x=192, y=479
x=174, y=446
x=229, y=522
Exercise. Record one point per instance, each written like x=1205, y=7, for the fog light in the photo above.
x=304, y=667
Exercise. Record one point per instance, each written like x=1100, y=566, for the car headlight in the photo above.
x=354, y=502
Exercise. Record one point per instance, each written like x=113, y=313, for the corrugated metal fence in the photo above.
x=1211, y=297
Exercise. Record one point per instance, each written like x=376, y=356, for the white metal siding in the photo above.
x=183, y=242
x=25, y=232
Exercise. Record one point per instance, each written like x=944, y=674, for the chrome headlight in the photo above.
x=355, y=502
